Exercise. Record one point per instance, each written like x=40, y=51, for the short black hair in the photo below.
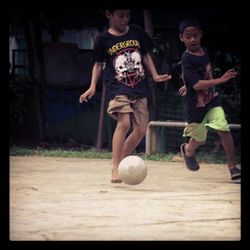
x=111, y=10
x=103, y=11
x=187, y=23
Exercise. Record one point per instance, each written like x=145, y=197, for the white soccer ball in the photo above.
x=132, y=170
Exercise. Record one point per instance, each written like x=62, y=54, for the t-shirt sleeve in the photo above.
x=99, y=51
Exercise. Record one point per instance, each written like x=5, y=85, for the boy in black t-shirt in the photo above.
x=125, y=49
x=203, y=104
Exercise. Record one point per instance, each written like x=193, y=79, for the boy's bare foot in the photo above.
x=116, y=181
x=115, y=177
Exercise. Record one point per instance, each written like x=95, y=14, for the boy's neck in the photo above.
x=199, y=52
x=117, y=32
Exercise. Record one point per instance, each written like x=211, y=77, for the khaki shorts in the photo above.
x=134, y=105
x=215, y=120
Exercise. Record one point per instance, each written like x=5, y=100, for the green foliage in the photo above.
x=158, y=157
x=92, y=153
x=22, y=151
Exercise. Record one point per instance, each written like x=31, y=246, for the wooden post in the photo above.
x=101, y=119
x=148, y=24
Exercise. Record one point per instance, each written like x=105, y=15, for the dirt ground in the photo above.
x=73, y=199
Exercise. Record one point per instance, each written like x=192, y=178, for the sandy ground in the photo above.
x=73, y=199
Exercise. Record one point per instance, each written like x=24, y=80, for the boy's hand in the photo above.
x=182, y=90
x=231, y=73
x=86, y=95
x=161, y=78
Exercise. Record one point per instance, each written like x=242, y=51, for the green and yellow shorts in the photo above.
x=215, y=119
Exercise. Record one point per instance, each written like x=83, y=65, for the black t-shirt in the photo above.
x=198, y=102
x=124, y=71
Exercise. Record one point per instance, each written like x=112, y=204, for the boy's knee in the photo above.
x=223, y=133
x=141, y=131
x=123, y=125
x=196, y=142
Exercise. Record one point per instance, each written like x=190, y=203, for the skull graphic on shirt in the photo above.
x=128, y=67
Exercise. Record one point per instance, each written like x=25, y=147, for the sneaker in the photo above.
x=190, y=161
x=235, y=173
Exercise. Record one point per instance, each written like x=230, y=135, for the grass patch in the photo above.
x=92, y=153
x=69, y=153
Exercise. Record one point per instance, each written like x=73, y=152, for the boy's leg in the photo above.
x=119, y=109
x=140, y=117
x=198, y=134
x=134, y=139
x=227, y=143
x=119, y=137
x=217, y=120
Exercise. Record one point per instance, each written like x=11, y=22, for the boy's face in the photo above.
x=191, y=37
x=119, y=19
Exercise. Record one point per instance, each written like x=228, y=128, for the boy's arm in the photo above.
x=205, y=84
x=147, y=60
x=96, y=73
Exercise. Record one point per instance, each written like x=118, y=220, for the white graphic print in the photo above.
x=128, y=67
